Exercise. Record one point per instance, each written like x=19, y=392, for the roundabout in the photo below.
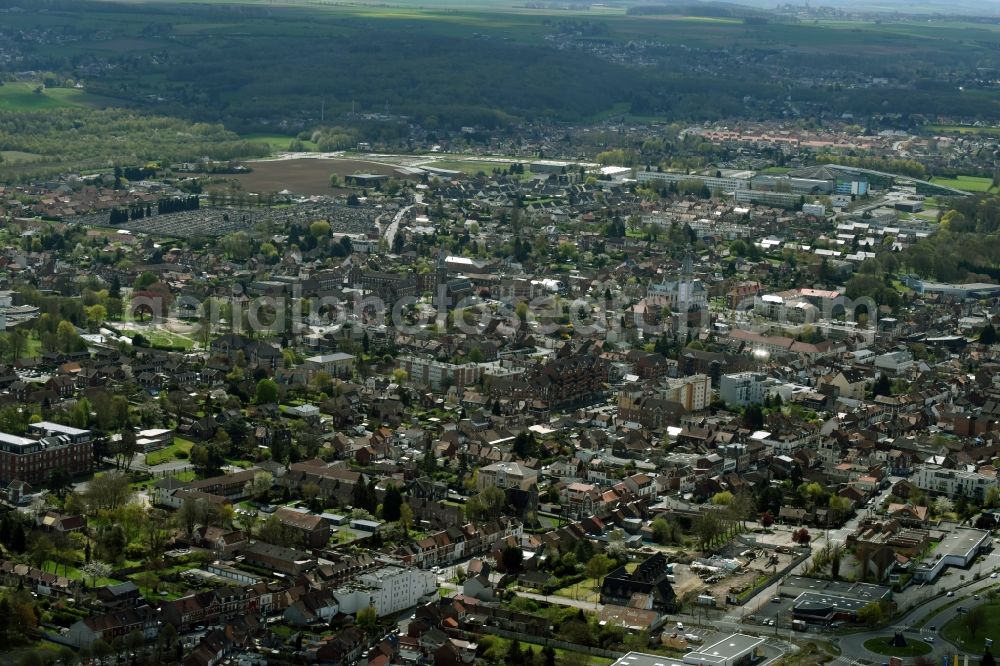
x=886, y=645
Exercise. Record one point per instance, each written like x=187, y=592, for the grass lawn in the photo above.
x=937, y=611
x=914, y=647
x=163, y=338
x=278, y=142
x=900, y=287
x=169, y=454
x=583, y=591
x=958, y=632
x=963, y=129
x=500, y=645
x=43, y=649
x=75, y=574
x=967, y=183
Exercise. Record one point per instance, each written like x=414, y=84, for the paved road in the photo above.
x=390, y=231
x=935, y=599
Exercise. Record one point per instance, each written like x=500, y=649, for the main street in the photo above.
x=390, y=231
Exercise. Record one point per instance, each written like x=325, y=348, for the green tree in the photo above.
x=512, y=559
x=259, y=487
x=405, y=517
x=367, y=619
x=872, y=614
x=838, y=508
x=145, y=281
x=67, y=336
x=488, y=503
x=724, y=498
x=319, y=229
x=707, y=526
x=663, y=531
x=514, y=655
x=267, y=392
x=836, y=555
x=392, y=503
x=60, y=481
x=598, y=567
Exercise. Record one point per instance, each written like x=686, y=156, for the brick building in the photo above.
x=33, y=460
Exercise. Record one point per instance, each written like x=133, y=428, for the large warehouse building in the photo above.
x=734, y=650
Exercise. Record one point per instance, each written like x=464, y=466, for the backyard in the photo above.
x=169, y=453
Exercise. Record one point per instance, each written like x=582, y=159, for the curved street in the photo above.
x=931, y=604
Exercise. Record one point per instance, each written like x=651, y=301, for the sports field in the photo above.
x=967, y=183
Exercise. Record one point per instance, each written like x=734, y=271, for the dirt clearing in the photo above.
x=305, y=176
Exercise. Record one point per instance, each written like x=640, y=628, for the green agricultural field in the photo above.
x=18, y=157
x=278, y=142
x=967, y=183
x=21, y=96
x=961, y=129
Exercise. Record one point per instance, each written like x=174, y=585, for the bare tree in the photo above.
x=108, y=491
x=96, y=569
x=975, y=619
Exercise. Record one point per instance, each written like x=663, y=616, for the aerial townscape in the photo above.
x=467, y=333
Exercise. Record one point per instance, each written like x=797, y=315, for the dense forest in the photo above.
x=967, y=247
x=256, y=67
x=84, y=137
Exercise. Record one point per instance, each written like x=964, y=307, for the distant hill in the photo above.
x=688, y=8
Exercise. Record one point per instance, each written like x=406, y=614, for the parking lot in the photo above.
x=779, y=612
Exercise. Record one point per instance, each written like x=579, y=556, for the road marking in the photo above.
x=848, y=660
